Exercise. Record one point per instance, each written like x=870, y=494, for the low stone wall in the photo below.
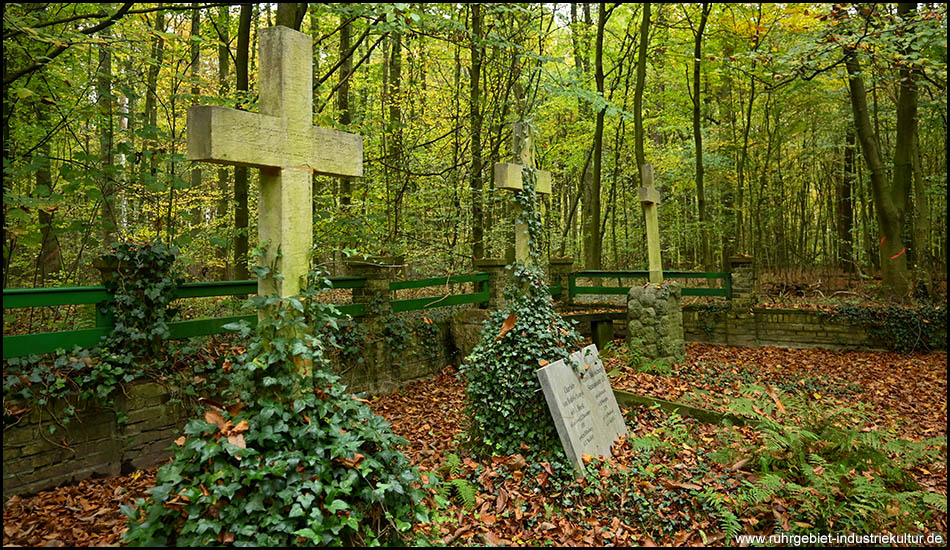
x=420, y=360
x=93, y=444
x=753, y=326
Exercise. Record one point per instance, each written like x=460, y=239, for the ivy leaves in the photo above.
x=298, y=462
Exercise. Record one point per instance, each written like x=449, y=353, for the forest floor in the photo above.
x=638, y=498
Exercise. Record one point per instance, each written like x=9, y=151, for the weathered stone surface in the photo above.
x=509, y=176
x=584, y=409
x=655, y=322
x=650, y=200
x=287, y=148
x=744, y=325
x=466, y=327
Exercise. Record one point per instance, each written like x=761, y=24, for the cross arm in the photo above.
x=230, y=136
x=649, y=195
x=508, y=176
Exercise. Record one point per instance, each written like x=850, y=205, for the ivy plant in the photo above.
x=291, y=460
x=505, y=407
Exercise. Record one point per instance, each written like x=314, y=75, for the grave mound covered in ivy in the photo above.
x=292, y=460
x=505, y=407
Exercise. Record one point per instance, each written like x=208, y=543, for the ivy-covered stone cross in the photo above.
x=284, y=144
x=508, y=176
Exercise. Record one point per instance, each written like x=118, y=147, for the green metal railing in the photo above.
x=446, y=300
x=575, y=290
x=27, y=344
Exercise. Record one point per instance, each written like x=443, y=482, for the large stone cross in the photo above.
x=284, y=144
x=508, y=175
x=650, y=199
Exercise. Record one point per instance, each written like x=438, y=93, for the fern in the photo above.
x=452, y=464
x=840, y=474
x=465, y=492
x=728, y=521
x=936, y=500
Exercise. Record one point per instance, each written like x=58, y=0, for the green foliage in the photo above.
x=504, y=406
x=902, y=328
x=844, y=475
x=728, y=521
x=296, y=461
x=346, y=340
x=142, y=279
x=460, y=488
x=639, y=494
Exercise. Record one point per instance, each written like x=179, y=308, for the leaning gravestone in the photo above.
x=584, y=408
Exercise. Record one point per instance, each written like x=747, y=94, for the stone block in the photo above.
x=584, y=409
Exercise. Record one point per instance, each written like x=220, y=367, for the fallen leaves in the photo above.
x=85, y=514
x=507, y=326
x=515, y=497
x=234, y=434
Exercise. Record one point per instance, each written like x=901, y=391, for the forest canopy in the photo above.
x=805, y=135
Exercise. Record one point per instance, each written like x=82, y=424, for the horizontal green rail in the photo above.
x=430, y=302
x=439, y=281
x=65, y=296
x=46, y=342
x=27, y=344
x=575, y=290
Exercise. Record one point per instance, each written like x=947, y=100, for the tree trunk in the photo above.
x=343, y=99
x=592, y=238
x=195, y=51
x=922, y=221
x=224, y=187
x=240, y=172
x=104, y=104
x=475, y=119
x=151, y=98
x=395, y=129
x=291, y=14
x=50, y=258
x=887, y=203
x=638, y=90
x=844, y=207
x=698, y=139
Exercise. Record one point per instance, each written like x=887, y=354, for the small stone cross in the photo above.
x=650, y=199
x=282, y=142
x=508, y=176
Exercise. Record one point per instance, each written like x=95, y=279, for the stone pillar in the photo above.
x=559, y=271
x=379, y=373
x=497, y=278
x=743, y=278
x=655, y=323
x=741, y=329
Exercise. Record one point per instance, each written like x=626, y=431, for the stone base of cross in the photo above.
x=508, y=176
x=650, y=199
x=283, y=143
